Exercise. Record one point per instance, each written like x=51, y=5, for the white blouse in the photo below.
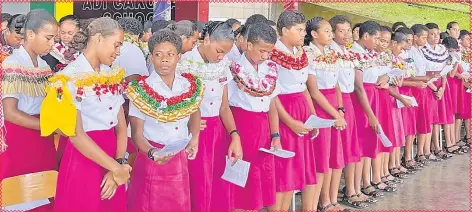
x=132, y=60
x=434, y=66
x=97, y=112
x=372, y=74
x=214, y=75
x=345, y=75
x=239, y=98
x=159, y=132
x=291, y=81
x=419, y=61
x=234, y=54
x=326, y=79
x=27, y=104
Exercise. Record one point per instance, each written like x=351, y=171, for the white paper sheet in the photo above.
x=385, y=141
x=316, y=122
x=446, y=70
x=395, y=72
x=469, y=91
x=411, y=98
x=172, y=148
x=465, y=67
x=431, y=81
x=279, y=153
x=238, y=173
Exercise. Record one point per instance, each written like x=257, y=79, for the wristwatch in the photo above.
x=151, y=152
x=274, y=135
x=121, y=160
x=341, y=109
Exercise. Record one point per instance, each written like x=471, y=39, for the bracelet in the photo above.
x=274, y=135
x=151, y=152
x=342, y=109
x=121, y=161
x=234, y=131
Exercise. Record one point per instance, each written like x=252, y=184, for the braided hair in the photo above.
x=217, y=30
x=312, y=25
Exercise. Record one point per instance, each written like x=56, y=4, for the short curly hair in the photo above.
x=131, y=25
x=288, y=19
x=163, y=36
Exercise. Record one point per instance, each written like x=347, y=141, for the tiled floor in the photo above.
x=439, y=186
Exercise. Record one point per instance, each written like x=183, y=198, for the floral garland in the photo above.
x=151, y=103
x=91, y=83
x=349, y=45
x=58, y=51
x=25, y=80
x=251, y=83
x=288, y=61
x=204, y=71
x=141, y=45
x=439, y=56
x=466, y=56
x=330, y=61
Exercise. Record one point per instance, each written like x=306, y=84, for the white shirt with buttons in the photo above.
x=239, y=98
x=345, y=75
x=213, y=95
x=160, y=132
x=372, y=74
x=27, y=104
x=419, y=61
x=98, y=113
x=326, y=79
x=291, y=81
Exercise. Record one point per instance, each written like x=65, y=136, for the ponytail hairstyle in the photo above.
x=71, y=18
x=183, y=28
x=16, y=23
x=104, y=26
x=312, y=25
x=32, y=21
x=218, y=30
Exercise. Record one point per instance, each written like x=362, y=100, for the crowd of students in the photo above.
x=118, y=92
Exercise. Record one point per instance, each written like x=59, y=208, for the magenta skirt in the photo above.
x=368, y=139
x=328, y=144
x=408, y=114
x=27, y=152
x=79, y=180
x=260, y=186
x=294, y=173
x=454, y=87
x=466, y=110
x=423, y=112
x=206, y=169
x=349, y=135
x=386, y=119
x=445, y=113
x=159, y=187
x=397, y=118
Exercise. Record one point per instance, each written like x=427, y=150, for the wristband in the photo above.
x=274, y=135
x=342, y=109
x=121, y=161
x=234, y=131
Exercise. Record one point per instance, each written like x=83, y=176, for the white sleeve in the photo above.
x=135, y=112
x=133, y=61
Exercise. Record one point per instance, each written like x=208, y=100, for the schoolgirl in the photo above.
x=328, y=104
x=352, y=194
x=252, y=95
x=11, y=38
x=465, y=102
x=240, y=44
x=208, y=190
x=85, y=102
x=294, y=107
x=24, y=80
x=176, y=117
x=187, y=32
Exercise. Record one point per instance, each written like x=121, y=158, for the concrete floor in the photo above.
x=439, y=186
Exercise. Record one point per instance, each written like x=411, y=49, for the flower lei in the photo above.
x=58, y=51
x=171, y=109
x=98, y=83
x=141, y=45
x=251, y=83
x=204, y=71
x=466, y=56
x=331, y=61
x=439, y=56
x=288, y=61
x=349, y=45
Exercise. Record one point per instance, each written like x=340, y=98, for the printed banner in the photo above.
x=141, y=10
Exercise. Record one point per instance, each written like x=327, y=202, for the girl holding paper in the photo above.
x=208, y=61
x=252, y=95
x=85, y=101
x=294, y=107
x=164, y=108
x=324, y=90
x=24, y=79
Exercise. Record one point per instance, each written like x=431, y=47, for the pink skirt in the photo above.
x=454, y=85
x=159, y=187
x=206, y=170
x=399, y=131
x=445, y=114
x=260, y=186
x=349, y=135
x=423, y=112
x=27, y=152
x=294, y=173
x=386, y=119
x=465, y=112
x=368, y=139
x=61, y=147
x=328, y=144
x=79, y=180
x=408, y=114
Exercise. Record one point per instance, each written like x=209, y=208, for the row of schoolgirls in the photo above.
x=229, y=90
